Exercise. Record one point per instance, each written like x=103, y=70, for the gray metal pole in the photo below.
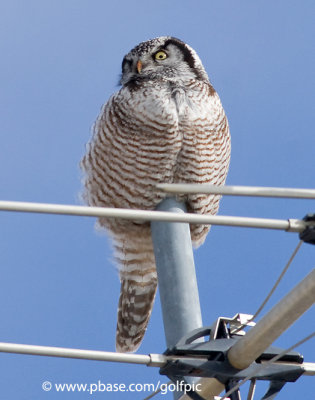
x=176, y=275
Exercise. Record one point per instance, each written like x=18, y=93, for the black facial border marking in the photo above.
x=181, y=45
x=124, y=62
x=188, y=58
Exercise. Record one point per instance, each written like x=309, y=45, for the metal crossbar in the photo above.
x=152, y=360
x=256, y=191
x=290, y=225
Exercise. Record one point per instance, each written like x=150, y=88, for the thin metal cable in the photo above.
x=266, y=364
x=251, y=391
x=273, y=288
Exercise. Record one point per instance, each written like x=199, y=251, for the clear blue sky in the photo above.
x=60, y=61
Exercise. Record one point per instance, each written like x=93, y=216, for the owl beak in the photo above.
x=139, y=66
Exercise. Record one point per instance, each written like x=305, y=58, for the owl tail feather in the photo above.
x=134, y=310
x=138, y=288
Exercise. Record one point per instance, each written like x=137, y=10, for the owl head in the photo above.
x=165, y=58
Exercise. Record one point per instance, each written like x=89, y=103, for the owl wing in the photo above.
x=205, y=154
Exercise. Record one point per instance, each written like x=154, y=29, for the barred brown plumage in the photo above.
x=165, y=125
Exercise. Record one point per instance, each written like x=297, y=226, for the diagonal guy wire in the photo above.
x=273, y=288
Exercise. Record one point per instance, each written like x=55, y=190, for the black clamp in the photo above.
x=208, y=359
x=308, y=235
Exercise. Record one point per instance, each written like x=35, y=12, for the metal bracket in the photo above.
x=308, y=235
x=209, y=358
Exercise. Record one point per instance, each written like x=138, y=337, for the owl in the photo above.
x=166, y=124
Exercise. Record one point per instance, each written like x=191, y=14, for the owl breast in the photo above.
x=157, y=134
x=136, y=142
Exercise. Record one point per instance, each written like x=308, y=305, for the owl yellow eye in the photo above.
x=160, y=55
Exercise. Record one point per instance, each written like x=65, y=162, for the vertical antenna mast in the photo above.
x=176, y=276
